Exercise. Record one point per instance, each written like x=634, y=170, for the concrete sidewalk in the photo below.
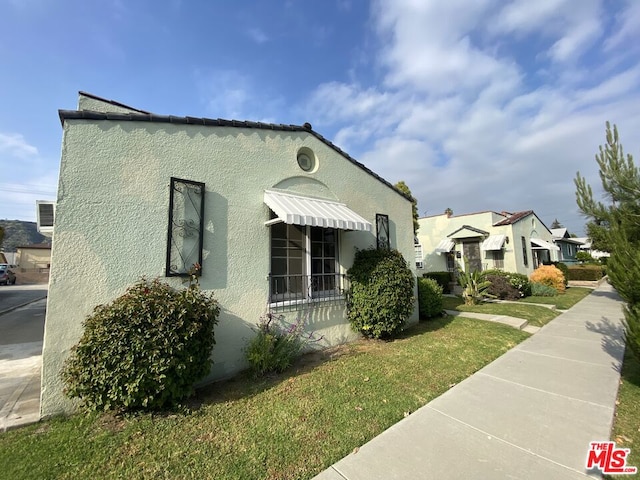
x=529, y=414
x=20, y=367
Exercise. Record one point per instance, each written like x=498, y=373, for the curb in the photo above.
x=11, y=309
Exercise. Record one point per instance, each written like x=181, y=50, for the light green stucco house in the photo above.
x=273, y=213
x=513, y=242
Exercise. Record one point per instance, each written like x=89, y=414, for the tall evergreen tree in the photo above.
x=404, y=188
x=556, y=224
x=617, y=225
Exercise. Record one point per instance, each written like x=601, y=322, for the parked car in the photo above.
x=7, y=277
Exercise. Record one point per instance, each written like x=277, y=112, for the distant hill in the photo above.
x=18, y=233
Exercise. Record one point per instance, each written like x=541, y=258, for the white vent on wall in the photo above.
x=45, y=210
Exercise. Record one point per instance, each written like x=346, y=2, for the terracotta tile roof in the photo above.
x=513, y=218
x=141, y=116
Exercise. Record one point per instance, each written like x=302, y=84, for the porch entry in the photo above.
x=471, y=252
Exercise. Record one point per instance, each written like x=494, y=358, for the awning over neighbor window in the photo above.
x=297, y=210
x=543, y=245
x=494, y=242
x=445, y=245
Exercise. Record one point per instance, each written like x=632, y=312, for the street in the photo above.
x=24, y=324
x=13, y=295
x=21, y=332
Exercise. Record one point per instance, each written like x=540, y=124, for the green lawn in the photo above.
x=288, y=426
x=626, y=423
x=535, y=315
x=563, y=302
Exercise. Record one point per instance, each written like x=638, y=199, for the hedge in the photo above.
x=586, y=272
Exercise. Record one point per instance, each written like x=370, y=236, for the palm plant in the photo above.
x=474, y=285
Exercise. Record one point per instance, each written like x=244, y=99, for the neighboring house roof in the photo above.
x=142, y=116
x=461, y=215
x=512, y=218
x=470, y=228
x=41, y=246
x=559, y=232
x=112, y=102
x=562, y=235
x=584, y=241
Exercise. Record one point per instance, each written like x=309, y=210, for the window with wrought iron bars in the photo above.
x=304, y=265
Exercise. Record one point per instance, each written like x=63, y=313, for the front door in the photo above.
x=471, y=251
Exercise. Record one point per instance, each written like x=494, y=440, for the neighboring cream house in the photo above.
x=273, y=213
x=34, y=258
x=513, y=242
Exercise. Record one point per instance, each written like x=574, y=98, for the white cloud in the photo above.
x=625, y=31
x=15, y=144
x=467, y=123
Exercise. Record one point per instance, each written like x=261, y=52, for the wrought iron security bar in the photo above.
x=290, y=291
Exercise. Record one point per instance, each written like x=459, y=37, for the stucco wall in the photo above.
x=112, y=214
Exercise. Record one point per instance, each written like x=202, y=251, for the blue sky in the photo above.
x=477, y=105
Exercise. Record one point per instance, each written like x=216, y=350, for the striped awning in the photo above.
x=445, y=245
x=494, y=242
x=298, y=210
x=543, y=245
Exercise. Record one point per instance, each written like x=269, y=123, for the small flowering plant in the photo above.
x=277, y=344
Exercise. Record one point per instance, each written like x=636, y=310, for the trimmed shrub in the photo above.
x=380, y=299
x=144, y=350
x=586, y=272
x=540, y=290
x=550, y=276
x=429, y=297
x=501, y=288
x=443, y=279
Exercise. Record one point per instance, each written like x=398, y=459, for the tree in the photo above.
x=556, y=224
x=617, y=225
x=404, y=188
x=1, y=235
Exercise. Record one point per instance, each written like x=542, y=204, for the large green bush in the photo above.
x=443, y=279
x=380, y=299
x=144, y=350
x=429, y=297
